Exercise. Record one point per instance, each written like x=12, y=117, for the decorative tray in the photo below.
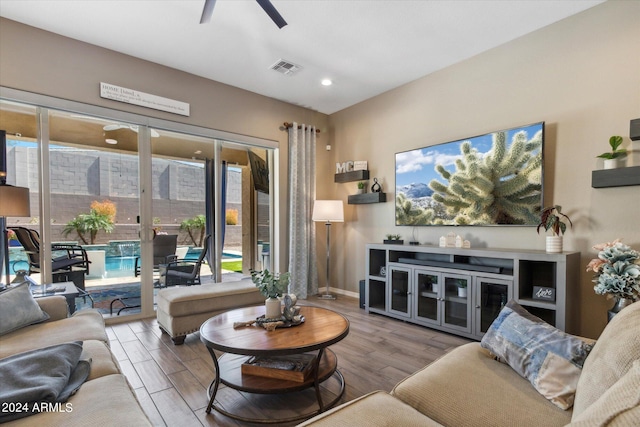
x=282, y=322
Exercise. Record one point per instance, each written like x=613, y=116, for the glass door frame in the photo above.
x=44, y=103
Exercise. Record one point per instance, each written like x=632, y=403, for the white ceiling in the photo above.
x=365, y=47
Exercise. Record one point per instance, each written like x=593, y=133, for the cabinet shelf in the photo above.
x=619, y=177
x=493, y=277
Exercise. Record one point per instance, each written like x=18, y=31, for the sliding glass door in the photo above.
x=111, y=184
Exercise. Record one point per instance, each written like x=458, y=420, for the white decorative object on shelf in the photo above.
x=458, y=241
x=451, y=240
x=360, y=165
x=443, y=242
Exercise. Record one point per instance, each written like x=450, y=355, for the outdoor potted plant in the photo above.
x=272, y=286
x=612, y=159
x=361, y=187
x=551, y=218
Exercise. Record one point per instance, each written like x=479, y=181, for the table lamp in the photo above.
x=328, y=211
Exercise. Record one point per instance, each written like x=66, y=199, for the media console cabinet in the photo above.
x=461, y=291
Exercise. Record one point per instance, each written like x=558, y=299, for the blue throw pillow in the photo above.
x=548, y=357
x=18, y=309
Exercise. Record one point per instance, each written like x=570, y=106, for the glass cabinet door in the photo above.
x=399, y=287
x=457, y=301
x=427, y=307
x=491, y=296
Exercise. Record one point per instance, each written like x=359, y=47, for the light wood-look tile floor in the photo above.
x=171, y=381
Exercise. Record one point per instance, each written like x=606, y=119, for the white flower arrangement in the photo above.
x=617, y=270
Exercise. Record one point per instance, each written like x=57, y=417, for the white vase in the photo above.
x=273, y=309
x=462, y=292
x=554, y=244
x=613, y=163
x=434, y=287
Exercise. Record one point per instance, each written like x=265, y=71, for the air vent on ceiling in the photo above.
x=285, y=67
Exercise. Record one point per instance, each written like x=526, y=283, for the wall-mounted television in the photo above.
x=492, y=179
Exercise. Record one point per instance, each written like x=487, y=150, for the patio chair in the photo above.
x=164, y=251
x=185, y=272
x=73, y=256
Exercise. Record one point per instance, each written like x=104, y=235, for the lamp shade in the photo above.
x=14, y=201
x=328, y=211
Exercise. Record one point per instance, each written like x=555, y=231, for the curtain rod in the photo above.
x=290, y=125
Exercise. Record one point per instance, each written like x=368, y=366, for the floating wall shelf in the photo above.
x=361, y=199
x=619, y=177
x=361, y=175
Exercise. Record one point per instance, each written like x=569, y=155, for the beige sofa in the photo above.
x=106, y=397
x=467, y=387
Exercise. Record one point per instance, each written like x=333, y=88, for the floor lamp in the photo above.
x=14, y=201
x=328, y=211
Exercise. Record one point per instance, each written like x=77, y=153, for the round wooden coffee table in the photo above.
x=320, y=329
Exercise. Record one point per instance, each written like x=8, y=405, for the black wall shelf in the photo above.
x=361, y=175
x=362, y=199
x=619, y=177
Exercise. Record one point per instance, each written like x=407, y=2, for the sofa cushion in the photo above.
x=619, y=406
x=103, y=362
x=376, y=409
x=468, y=387
x=617, y=348
x=549, y=358
x=82, y=326
x=105, y=401
x=18, y=309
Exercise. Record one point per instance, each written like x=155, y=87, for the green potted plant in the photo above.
x=551, y=218
x=361, y=187
x=393, y=239
x=612, y=158
x=462, y=287
x=272, y=286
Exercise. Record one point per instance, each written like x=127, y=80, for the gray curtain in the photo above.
x=302, y=193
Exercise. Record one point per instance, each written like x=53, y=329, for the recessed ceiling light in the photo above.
x=326, y=82
x=111, y=141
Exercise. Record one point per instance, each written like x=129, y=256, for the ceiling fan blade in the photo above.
x=272, y=12
x=207, y=11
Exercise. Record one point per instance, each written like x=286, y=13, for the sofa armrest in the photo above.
x=55, y=306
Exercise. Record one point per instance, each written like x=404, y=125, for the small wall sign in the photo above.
x=135, y=97
x=544, y=294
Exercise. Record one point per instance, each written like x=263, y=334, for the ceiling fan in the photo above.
x=266, y=5
x=154, y=134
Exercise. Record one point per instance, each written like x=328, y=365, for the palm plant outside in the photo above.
x=195, y=228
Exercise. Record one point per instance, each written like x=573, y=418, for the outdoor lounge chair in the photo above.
x=184, y=272
x=164, y=251
x=68, y=256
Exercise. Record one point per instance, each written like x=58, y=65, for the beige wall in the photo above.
x=45, y=63
x=581, y=76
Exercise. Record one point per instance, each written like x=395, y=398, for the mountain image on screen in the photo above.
x=492, y=179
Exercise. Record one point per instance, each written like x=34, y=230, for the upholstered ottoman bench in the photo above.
x=182, y=310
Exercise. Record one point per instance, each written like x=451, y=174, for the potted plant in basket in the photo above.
x=551, y=218
x=272, y=286
x=612, y=158
x=393, y=239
